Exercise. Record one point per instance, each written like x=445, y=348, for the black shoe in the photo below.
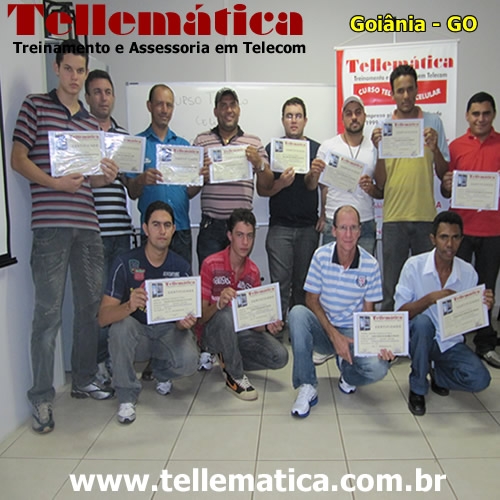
x=440, y=391
x=147, y=373
x=416, y=404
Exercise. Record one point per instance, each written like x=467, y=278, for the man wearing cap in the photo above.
x=408, y=184
x=219, y=200
x=352, y=144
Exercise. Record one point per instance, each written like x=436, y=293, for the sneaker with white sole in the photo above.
x=241, y=387
x=345, y=387
x=319, y=359
x=164, y=388
x=93, y=390
x=491, y=357
x=42, y=418
x=126, y=413
x=206, y=361
x=307, y=397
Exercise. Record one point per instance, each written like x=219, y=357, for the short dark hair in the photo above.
x=335, y=215
x=72, y=46
x=95, y=75
x=241, y=215
x=447, y=217
x=297, y=101
x=158, y=205
x=158, y=86
x=402, y=70
x=482, y=97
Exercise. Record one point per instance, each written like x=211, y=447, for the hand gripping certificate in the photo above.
x=256, y=307
x=341, y=172
x=475, y=190
x=172, y=299
x=126, y=150
x=75, y=153
x=229, y=164
x=374, y=331
x=180, y=164
x=402, y=139
x=290, y=153
x=462, y=312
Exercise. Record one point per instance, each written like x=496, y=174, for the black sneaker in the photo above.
x=93, y=390
x=241, y=388
x=42, y=418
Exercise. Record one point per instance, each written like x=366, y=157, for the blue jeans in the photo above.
x=53, y=250
x=113, y=247
x=289, y=252
x=212, y=237
x=242, y=351
x=307, y=335
x=367, y=238
x=398, y=239
x=458, y=368
x=174, y=354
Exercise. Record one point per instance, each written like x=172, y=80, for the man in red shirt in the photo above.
x=478, y=150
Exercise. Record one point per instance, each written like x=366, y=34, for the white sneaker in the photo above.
x=126, y=413
x=164, y=388
x=307, y=397
x=206, y=361
x=345, y=387
x=319, y=359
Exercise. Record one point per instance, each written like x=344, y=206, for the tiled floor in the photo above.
x=201, y=425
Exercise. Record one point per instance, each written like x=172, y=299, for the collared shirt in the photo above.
x=469, y=153
x=39, y=114
x=342, y=292
x=219, y=200
x=419, y=277
x=176, y=196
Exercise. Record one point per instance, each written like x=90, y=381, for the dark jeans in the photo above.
x=487, y=263
x=212, y=237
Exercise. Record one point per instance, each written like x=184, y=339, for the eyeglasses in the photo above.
x=296, y=116
x=344, y=229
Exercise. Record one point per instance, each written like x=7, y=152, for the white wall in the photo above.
x=326, y=25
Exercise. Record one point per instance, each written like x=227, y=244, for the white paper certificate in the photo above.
x=126, y=150
x=402, y=139
x=475, y=190
x=462, y=312
x=374, y=331
x=229, y=164
x=290, y=153
x=180, y=164
x=256, y=307
x=75, y=153
x=341, y=172
x=172, y=299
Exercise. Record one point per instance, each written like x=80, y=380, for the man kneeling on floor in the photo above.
x=343, y=278
x=222, y=274
x=172, y=345
x=424, y=279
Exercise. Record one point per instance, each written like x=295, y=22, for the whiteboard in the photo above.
x=260, y=105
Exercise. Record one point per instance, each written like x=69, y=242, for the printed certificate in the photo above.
x=290, y=153
x=180, y=164
x=229, y=164
x=374, y=331
x=75, y=153
x=402, y=139
x=341, y=172
x=126, y=150
x=462, y=312
x=256, y=307
x=172, y=299
x=475, y=190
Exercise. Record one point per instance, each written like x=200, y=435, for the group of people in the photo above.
x=82, y=223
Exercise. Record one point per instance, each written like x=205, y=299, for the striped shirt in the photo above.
x=40, y=113
x=111, y=202
x=219, y=200
x=343, y=291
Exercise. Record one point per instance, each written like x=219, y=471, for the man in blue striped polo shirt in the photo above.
x=343, y=278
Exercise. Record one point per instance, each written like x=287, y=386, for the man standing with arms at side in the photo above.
x=65, y=234
x=147, y=186
x=294, y=226
x=479, y=150
x=408, y=184
x=219, y=200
